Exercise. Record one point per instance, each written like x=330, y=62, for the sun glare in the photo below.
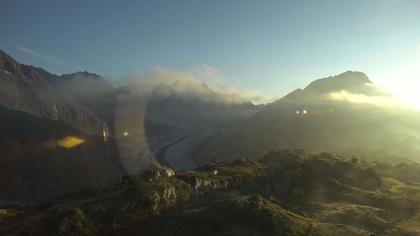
x=403, y=82
x=407, y=93
x=411, y=99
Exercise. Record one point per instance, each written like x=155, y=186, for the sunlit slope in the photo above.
x=346, y=114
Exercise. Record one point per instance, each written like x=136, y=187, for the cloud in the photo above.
x=418, y=46
x=357, y=98
x=45, y=57
x=202, y=82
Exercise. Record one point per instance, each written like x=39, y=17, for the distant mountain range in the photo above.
x=345, y=114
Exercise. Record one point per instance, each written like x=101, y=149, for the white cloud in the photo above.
x=418, y=46
x=201, y=82
x=345, y=96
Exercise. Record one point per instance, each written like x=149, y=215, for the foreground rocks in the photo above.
x=285, y=193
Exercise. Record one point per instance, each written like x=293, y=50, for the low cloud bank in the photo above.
x=203, y=83
x=358, y=98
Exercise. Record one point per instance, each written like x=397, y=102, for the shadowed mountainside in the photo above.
x=38, y=109
x=33, y=167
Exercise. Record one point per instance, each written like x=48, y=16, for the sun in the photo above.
x=407, y=95
x=404, y=83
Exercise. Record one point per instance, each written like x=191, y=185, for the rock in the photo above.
x=156, y=172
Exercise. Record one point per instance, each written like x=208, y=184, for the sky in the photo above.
x=270, y=46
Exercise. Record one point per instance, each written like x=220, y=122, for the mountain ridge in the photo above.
x=38, y=92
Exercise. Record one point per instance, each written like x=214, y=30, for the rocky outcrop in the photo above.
x=155, y=173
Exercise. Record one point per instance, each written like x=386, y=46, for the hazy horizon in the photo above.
x=272, y=47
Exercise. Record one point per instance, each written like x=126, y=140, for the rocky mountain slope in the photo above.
x=35, y=91
x=38, y=111
x=285, y=193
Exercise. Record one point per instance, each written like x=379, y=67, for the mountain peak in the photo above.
x=10, y=70
x=356, y=76
x=351, y=81
x=81, y=74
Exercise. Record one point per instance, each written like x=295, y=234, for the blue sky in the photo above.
x=272, y=46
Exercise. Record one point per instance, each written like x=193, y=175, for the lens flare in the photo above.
x=70, y=142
